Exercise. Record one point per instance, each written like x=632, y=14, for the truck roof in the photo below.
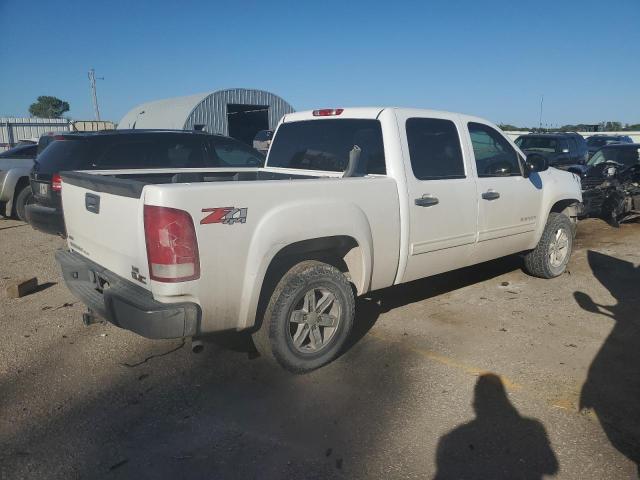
x=372, y=112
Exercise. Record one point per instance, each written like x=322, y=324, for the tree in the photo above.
x=510, y=128
x=48, y=107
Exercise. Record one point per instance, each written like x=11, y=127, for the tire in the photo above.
x=23, y=198
x=549, y=259
x=300, y=304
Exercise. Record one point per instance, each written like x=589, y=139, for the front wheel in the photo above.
x=308, y=319
x=550, y=257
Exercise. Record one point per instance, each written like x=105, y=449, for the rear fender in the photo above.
x=297, y=222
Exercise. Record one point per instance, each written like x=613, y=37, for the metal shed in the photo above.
x=14, y=129
x=236, y=112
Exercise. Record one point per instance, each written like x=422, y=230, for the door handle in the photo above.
x=92, y=202
x=490, y=195
x=426, y=201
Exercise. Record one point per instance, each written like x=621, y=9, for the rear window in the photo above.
x=63, y=155
x=231, y=153
x=326, y=144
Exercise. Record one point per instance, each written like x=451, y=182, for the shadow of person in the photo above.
x=612, y=388
x=498, y=444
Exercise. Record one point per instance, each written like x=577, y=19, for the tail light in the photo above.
x=328, y=112
x=56, y=182
x=172, y=247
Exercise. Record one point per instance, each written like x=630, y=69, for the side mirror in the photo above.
x=536, y=163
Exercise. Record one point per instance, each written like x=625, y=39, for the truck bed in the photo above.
x=104, y=214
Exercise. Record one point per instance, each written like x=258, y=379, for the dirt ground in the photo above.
x=480, y=373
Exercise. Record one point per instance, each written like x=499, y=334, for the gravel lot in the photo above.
x=480, y=373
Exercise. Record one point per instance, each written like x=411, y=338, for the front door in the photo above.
x=509, y=203
x=442, y=195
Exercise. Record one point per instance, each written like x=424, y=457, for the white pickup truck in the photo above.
x=350, y=201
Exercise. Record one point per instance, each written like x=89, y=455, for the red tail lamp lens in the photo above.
x=172, y=247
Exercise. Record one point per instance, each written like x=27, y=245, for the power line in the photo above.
x=94, y=95
x=541, y=102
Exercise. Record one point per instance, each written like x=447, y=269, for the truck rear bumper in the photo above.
x=124, y=303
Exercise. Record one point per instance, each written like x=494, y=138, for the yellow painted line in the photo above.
x=569, y=401
x=450, y=362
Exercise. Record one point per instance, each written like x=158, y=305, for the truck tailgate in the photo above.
x=104, y=221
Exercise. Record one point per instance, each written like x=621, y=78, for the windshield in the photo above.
x=626, y=156
x=325, y=145
x=539, y=144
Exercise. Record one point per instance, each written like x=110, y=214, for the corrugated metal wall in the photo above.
x=212, y=111
x=14, y=129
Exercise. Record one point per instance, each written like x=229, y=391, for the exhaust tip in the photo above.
x=197, y=346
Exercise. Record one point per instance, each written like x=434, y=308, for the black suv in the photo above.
x=125, y=149
x=596, y=142
x=561, y=150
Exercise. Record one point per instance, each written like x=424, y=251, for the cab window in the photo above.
x=494, y=156
x=434, y=149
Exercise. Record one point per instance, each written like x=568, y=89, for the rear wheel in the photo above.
x=308, y=318
x=23, y=198
x=550, y=257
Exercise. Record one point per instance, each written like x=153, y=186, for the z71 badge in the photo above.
x=226, y=215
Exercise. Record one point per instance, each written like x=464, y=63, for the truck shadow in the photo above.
x=370, y=307
x=214, y=415
x=612, y=388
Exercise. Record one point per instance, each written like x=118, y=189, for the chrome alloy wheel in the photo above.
x=559, y=248
x=314, y=320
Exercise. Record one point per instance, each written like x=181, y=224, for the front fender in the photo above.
x=297, y=221
x=559, y=186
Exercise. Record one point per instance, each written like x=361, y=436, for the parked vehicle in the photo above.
x=262, y=141
x=282, y=250
x=15, y=192
x=559, y=149
x=125, y=149
x=596, y=142
x=22, y=150
x=611, y=183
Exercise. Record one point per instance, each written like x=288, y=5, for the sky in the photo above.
x=490, y=58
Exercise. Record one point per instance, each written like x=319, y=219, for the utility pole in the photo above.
x=94, y=96
x=541, y=102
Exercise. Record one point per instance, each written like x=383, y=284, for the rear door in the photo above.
x=442, y=195
x=508, y=202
